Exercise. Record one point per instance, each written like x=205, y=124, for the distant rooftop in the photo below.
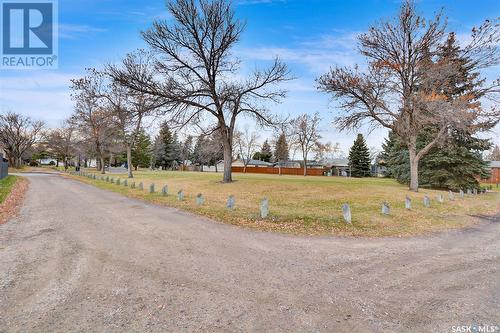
x=256, y=162
x=338, y=162
x=494, y=164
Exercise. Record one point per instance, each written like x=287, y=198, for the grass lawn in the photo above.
x=6, y=185
x=309, y=205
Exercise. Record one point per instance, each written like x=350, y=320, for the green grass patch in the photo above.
x=6, y=185
x=309, y=205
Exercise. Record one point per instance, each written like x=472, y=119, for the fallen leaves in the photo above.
x=11, y=206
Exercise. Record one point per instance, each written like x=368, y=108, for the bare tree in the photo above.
x=131, y=107
x=18, y=134
x=246, y=145
x=306, y=135
x=91, y=117
x=494, y=155
x=197, y=74
x=323, y=151
x=61, y=142
x=405, y=87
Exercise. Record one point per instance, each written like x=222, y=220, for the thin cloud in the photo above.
x=76, y=31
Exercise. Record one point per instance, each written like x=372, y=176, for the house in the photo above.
x=379, y=168
x=338, y=167
x=47, y=161
x=494, y=167
x=218, y=167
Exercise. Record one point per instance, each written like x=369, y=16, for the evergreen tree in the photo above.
x=186, y=152
x=198, y=151
x=266, y=154
x=142, y=150
x=163, y=147
x=281, y=152
x=359, y=158
x=453, y=166
x=396, y=159
x=175, y=158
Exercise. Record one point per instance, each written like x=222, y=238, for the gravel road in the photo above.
x=78, y=258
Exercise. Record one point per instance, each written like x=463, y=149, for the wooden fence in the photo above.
x=284, y=171
x=495, y=176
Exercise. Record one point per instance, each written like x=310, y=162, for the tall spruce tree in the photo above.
x=142, y=150
x=359, y=158
x=266, y=154
x=281, y=152
x=164, y=146
x=186, y=153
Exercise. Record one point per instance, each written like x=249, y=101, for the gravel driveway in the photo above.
x=78, y=258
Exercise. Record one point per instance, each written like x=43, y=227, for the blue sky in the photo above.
x=309, y=35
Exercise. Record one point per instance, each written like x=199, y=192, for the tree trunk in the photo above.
x=413, y=169
x=305, y=167
x=103, y=168
x=129, y=161
x=228, y=161
x=10, y=159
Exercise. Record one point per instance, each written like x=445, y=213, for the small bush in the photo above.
x=33, y=164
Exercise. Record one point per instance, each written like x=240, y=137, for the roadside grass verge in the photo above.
x=6, y=186
x=12, y=191
x=308, y=205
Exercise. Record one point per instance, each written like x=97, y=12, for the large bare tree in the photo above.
x=405, y=87
x=199, y=77
x=305, y=135
x=18, y=134
x=62, y=142
x=92, y=117
x=246, y=145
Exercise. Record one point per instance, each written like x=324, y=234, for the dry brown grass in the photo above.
x=311, y=205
